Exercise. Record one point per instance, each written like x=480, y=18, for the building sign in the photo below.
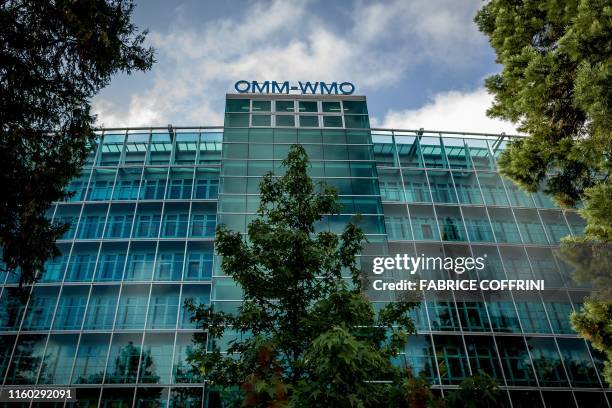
x=286, y=87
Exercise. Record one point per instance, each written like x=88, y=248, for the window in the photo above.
x=91, y=226
x=356, y=121
x=285, y=120
x=91, y=359
x=578, y=363
x=515, y=361
x=237, y=105
x=132, y=308
x=432, y=152
x=71, y=309
x=331, y=107
x=199, y=266
x=81, y=267
x=40, y=309
x=126, y=190
x=261, y=106
x=415, y=186
x=140, y=266
x=355, y=107
x=110, y=267
x=420, y=356
x=206, y=188
x=482, y=356
x=309, y=121
x=492, y=189
x=307, y=106
x=175, y=225
x=332, y=121
x=58, y=359
x=261, y=120
x=442, y=187
x=119, y=226
x=547, y=362
x=101, y=308
x=236, y=119
x=147, y=226
x=452, y=359
x=285, y=106
x=169, y=266
x=203, y=225
x=180, y=185
x=163, y=310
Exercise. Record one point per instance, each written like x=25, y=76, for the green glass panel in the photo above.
x=260, y=120
x=358, y=137
x=284, y=106
x=237, y=105
x=262, y=106
x=309, y=136
x=235, y=150
x=355, y=107
x=332, y=121
x=285, y=120
x=236, y=135
x=307, y=106
x=356, y=121
x=236, y=120
x=309, y=121
x=260, y=151
x=285, y=136
x=334, y=136
x=260, y=135
x=331, y=107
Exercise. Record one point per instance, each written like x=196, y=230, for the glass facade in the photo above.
x=107, y=315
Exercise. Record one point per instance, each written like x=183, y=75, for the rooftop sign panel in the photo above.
x=303, y=88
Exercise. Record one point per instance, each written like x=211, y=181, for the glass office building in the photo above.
x=106, y=316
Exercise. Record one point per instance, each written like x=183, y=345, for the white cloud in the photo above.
x=282, y=40
x=454, y=110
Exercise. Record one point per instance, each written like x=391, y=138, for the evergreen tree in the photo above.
x=306, y=334
x=55, y=56
x=555, y=83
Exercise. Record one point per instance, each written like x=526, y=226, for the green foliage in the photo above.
x=418, y=394
x=478, y=391
x=593, y=323
x=305, y=335
x=55, y=56
x=557, y=71
x=555, y=84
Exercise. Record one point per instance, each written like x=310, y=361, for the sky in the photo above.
x=420, y=63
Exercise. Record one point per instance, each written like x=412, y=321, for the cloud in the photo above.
x=376, y=46
x=452, y=111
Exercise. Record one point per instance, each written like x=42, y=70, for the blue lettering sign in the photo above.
x=308, y=88
x=280, y=89
x=264, y=88
x=240, y=86
x=344, y=86
x=305, y=88
x=329, y=89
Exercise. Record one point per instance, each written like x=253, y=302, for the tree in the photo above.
x=555, y=85
x=478, y=391
x=417, y=393
x=555, y=82
x=593, y=323
x=55, y=56
x=305, y=333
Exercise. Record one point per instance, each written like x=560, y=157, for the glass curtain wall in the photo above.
x=107, y=311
